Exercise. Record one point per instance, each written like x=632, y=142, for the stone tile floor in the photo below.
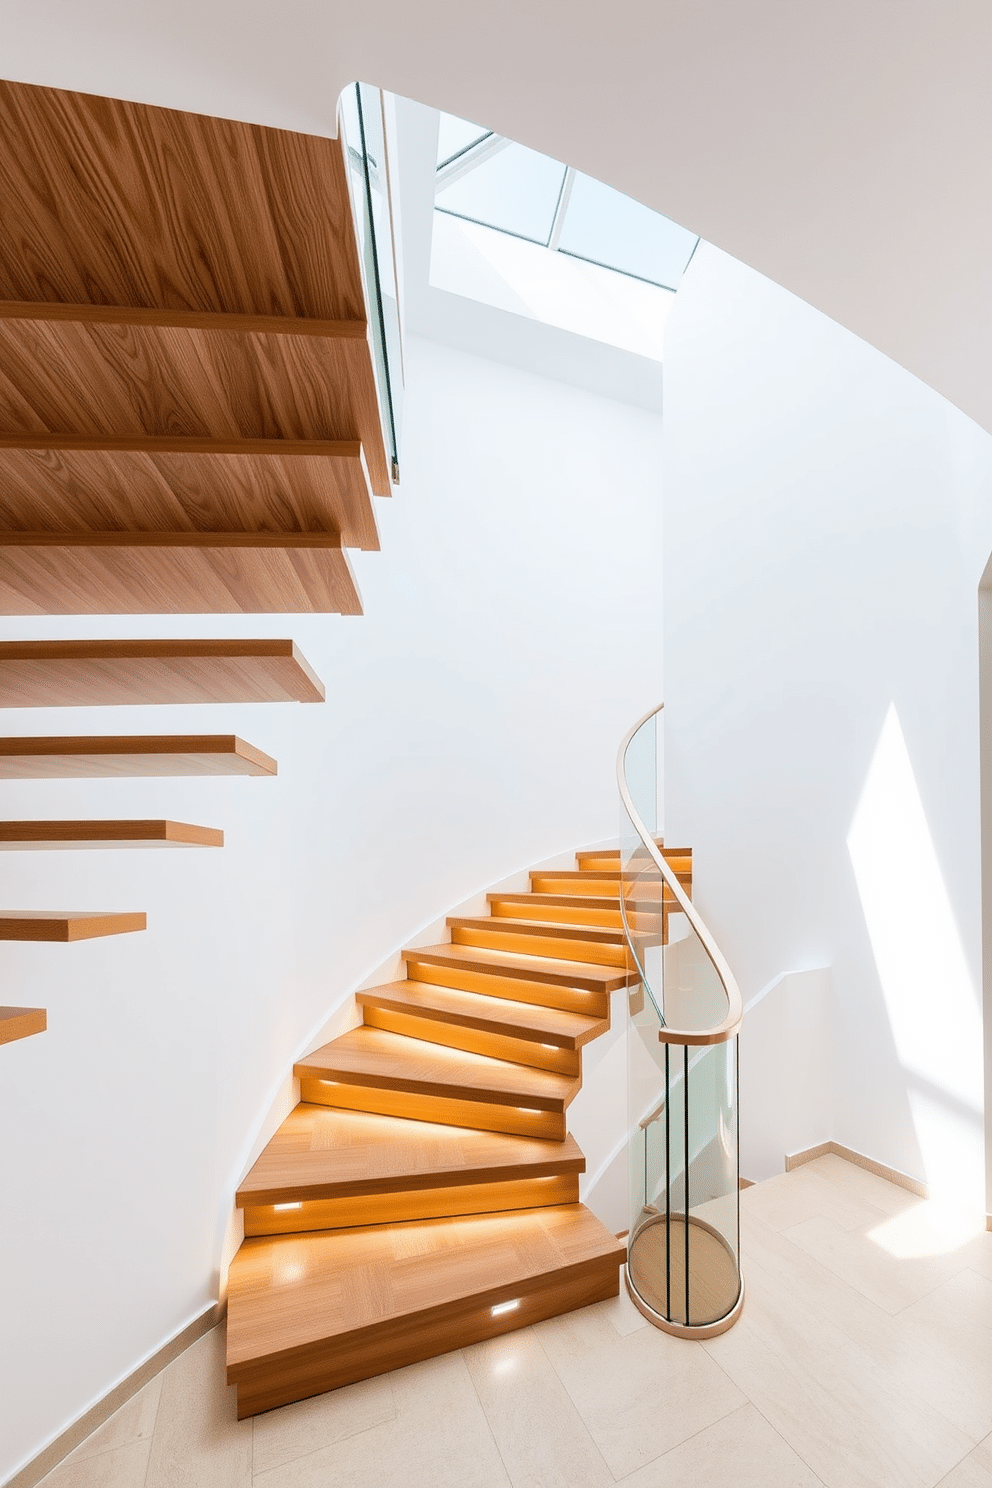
x=863, y=1357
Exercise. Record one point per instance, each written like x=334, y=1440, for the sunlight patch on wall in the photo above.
x=931, y=1003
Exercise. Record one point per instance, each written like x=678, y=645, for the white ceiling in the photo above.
x=842, y=149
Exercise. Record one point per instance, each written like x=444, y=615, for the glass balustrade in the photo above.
x=363, y=127
x=683, y=1266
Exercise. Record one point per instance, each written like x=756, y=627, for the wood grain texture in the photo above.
x=65, y=925
x=226, y=382
x=419, y=1025
x=88, y=834
x=189, y=486
x=520, y=1020
x=370, y=1057
x=423, y=1203
x=413, y=1105
x=362, y=1301
x=175, y=573
x=583, y=943
x=86, y=674
x=545, y=971
x=84, y=755
x=319, y=1153
x=17, y=1023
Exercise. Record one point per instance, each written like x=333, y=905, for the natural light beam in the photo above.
x=929, y=997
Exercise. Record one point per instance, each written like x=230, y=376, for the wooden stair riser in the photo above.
x=524, y=941
x=519, y=989
x=411, y=1204
x=681, y=862
x=559, y=909
x=446, y=1110
x=315, y=1368
x=476, y=1041
x=600, y=887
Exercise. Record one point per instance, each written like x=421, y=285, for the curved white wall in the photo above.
x=512, y=631
x=827, y=522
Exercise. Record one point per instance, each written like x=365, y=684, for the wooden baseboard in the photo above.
x=68, y=1440
x=881, y=1170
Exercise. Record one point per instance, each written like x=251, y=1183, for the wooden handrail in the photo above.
x=731, y=1023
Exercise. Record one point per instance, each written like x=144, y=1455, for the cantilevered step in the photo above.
x=18, y=1023
x=368, y=1069
x=327, y=1169
x=65, y=925
x=143, y=754
x=608, y=859
x=585, y=943
x=569, y=909
x=179, y=572
x=571, y=985
x=26, y=835
x=521, y=1032
x=600, y=884
x=309, y=1313
x=86, y=674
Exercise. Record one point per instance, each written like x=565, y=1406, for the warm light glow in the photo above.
x=529, y=1110
x=929, y=997
x=927, y=1229
x=502, y=1307
x=278, y=1207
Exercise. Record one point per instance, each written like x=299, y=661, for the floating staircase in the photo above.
x=424, y=1194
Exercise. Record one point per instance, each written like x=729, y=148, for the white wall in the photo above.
x=827, y=522
x=511, y=633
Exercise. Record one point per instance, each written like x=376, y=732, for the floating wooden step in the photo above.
x=229, y=302
x=609, y=858
x=603, y=885
x=87, y=674
x=520, y=1032
x=585, y=943
x=179, y=572
x=119, y=755
x=309, y=1313
x=567, y=909
x=65, y=925
x=571, y=985
x=18, y=1023
x=24, y=835
x=371, y=1070
x=327, y=1169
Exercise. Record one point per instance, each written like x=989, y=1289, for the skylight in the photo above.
x=486, y=179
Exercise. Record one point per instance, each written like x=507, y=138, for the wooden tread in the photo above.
x=65, y=925
x=568, y=909
x=574, y=985
x=15, y=835
x=86, y=674
x=17, y=1023
x=595, y=944
x=312, y=1312
x=145, y=754
x=523, y=1033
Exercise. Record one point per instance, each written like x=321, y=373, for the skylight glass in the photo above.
x=515, y=191
x=455, y=135
x=608, y=228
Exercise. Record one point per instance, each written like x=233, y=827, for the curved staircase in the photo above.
x=424, y=1193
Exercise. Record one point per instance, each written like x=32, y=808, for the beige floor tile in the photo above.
x=539, y=1433
x=639, y=1396
x=891, y=1282
x=294, y=1431
x=806, y=1193
x=439, y=1438
x=133, y=1422
x=623, y=1315
x=974, y=1472
x=198, y=1441
x=120, y=1467
x=739, y=1451
x=843, y=1415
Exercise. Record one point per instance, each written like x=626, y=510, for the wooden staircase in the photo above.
x=424, y=1193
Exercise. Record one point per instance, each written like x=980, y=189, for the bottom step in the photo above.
x=309, y=1313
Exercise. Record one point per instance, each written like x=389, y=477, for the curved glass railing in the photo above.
x=683, y=1249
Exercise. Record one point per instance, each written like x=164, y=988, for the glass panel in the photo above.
x=364, y=133
x=515, y=191
x=455, y=135
x=608, y=228
x=683, y=1250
